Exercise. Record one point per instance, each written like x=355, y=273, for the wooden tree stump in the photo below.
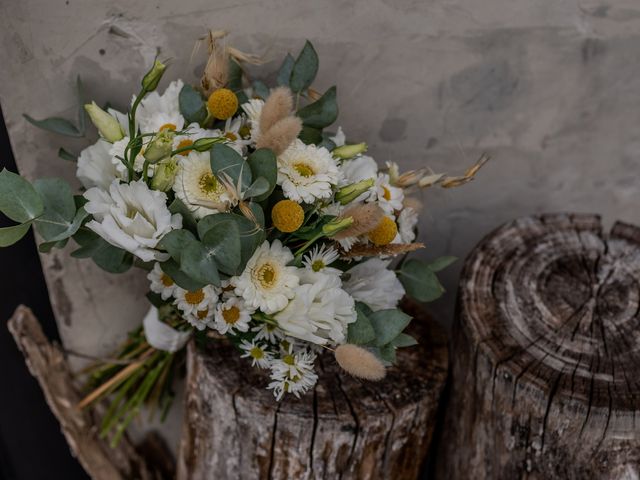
x=546, y=354
x=345, y=428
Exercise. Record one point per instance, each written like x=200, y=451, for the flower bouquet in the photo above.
x=252, y=221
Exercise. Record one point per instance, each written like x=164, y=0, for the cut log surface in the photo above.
x=344, y=428
x=546, y=354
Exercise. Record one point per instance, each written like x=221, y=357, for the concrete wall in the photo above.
x=550, y=88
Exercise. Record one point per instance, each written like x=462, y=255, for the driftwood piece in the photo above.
x=48, y=365
x=546, y=354
x=345, y=428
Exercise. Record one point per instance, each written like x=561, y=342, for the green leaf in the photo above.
x=10, y=235
x=258, y=188
x=46, y=247
x=171, y=268
x=304, y=69
x=222, y=242
x=404, y=340
x=388, y=354
x=263, y=164
x=63, y=235
x=225, y=160
x=18, y=199
x=63, y=154
x=59, y=209
x=176, y=241
x=310, y=135
x=234, y=82
x=192, y=106
x=55, y=125
x=188, y=220
x=82, y=113
x=441, y=263
x=388, y=324
x=89, y=242
x=284, y=73
x=113, y=259
x=199, y=264
x=361, y=331
x=419, y=281
x=321, y=113
x=260, y=89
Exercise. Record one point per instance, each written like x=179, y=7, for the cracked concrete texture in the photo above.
x=549, y=89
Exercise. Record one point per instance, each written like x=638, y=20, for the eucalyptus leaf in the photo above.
x=10, y=235
x=388, y=324
x=260, y=89
x=310, y=135
x=284, y=73
x=226, y=161
x=388, y=354
x=441, y=263
x=18, y=199
x=171, y=268
x=82, y=113
x=222, y=241
x=63, y=154
x=69, y=231
x=404, y=340
x=46, y=247
x=321, y=113
x=199, y=264
x=188, y=219
x=263, y=164
x=113, y=259
x=361, y=331
x=419, y=281
x=59, y=209
x=304, y=69
x=176, y=241
x=258, y=188
x=234, y=79
x=55, y=125
x=192, y=106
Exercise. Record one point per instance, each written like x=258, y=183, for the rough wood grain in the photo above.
x=48, y=365
x=344, y=429
x=546, y=354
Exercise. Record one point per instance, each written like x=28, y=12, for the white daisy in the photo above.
x=253, y=109
x=95, y=168
x=197, y=306
x=407, y=221
x=371, y=282
x=233, y=134
x=197, y=186
x=232, y=316
x=307, y=173
x=260, y=356
x=161, y=283
x=292, y=373
x=268, y=332
x=267, y=283
x=320, y=311
x=319, y=259
x=388, y=197
x=157, y=111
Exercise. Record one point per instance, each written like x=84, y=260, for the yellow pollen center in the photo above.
x=231, y=136
x=208, y=183
x=202, y=314
x=289, y=360
x=166, y=280
x=257, y=353
x=317, y=265
x=231, y=314
x=194, y=298
x=185, y=143
x=244, y=131
x=267, y=275
x=303, y=169
x=167, y=126
x=386, y=193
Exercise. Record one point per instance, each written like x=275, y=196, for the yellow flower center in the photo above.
x=257, y=353
x=266, y=275
x=168, y=126
x=166, y=280
x=317, y=265
x=231, y=314
x=231, y=136
x=386, y=194
x=289, y=359
x=194, y=298
x=208, y=183
x=303, y=169
x=384, y=233
x=222, y=103
x=287, y=216
x=245, y=131
x=185, y=143
x=202, y=314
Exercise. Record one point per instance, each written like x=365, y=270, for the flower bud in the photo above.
x=160, y=147
x=152, y=78
x=205, y=144
x=164, y=175
x=349, y=193
x=109, y=128
x=349, y=151
x=336, y=225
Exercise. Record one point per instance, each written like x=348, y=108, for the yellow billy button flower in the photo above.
x=222, y=104
x=349, y=151
x=287, y=216
x=384, y=233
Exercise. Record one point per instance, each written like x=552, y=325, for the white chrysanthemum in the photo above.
x=371, y=282
x=253, y=109
x=360, y=168
x=197, y=186
x=268, y=332
x=232, y=316
x=339, y=138
x=407, y=221
x=307, y=173
x=197, y=306
x=320, y=311
x=161, y=283
x=389, y=198
x=292, y=373
x=319, y=259
x=267, y=283
x=117, y=153
x=156, y=111
x=95, y=168
x=131, y=217
x=257, y=352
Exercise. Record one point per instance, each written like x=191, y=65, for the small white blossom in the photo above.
x=258, y=353
x=161, y=283
x=292, y=373
x=197, y=306
x=319, y=259
x=232, y=316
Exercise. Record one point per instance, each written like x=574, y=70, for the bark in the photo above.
x=48, y=365
x=546, y=354
x=345, y=428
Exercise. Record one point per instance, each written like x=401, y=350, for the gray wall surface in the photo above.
x=550, y=88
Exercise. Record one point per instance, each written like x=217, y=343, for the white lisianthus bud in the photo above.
x=349, y=193
x=160, y=147
x=336, y=225
x=165, y=174
x=205, y=144
x=349, y=151
x=152, y=78
x=109, y=128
